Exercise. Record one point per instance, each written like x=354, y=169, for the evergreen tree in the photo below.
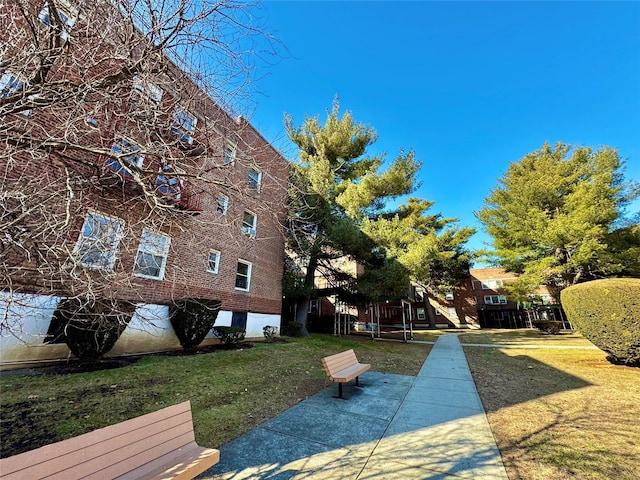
x=552, y=217
x=335, y=186
x=430, y=247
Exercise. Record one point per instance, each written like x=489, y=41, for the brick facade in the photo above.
x=65, y=185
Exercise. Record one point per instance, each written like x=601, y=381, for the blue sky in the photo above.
x=470, y=86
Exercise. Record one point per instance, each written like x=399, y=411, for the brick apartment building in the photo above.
x=479, y=302
x=158, y=194
x=482, y=302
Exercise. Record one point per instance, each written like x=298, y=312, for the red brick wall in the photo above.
x=192, y=236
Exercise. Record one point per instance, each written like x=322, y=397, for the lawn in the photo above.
x=558, y=413
x=231, y=392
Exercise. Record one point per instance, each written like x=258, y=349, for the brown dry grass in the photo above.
x=523, y=336
x=559, y=413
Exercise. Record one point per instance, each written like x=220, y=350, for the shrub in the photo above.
x=269, y=333
x=607, y=312
x=295, y=329
x=192, y=319
x=229, y=335
x=92, y=326
x=549, y=326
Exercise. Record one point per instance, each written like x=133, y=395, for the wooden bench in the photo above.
x=343, y=367
x=159, y=445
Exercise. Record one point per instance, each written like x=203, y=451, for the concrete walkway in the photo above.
x=431, y=426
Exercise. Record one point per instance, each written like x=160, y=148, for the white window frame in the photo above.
x=184, y=125
x=103, y=245
x=155, y=249
x=230, y=150
x=499, y=300
x=491, y=284
x=216, y=268
x=249, y=229
x=147, y=90
x=222, y=204
x=168, y=183
x=254, y=179
x=247, y=277
x=68, y=15
x=314, y=305
x=123, y=145
x=10, y=83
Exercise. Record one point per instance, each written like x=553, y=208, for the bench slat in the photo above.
x=164, y=438
x=51, y=453
x=349, y=373
x=102, y=469
x=342, y=367
x=189, y=462
x=339, y=361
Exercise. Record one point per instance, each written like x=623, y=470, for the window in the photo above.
x=98, y=242
x=152, y=255
x=495, y=299
x=223, y=204
x=449, y=297
x=184, y=126
x=254, y=179
x=438, y=311
x=213, y=262
x=230, y=148
x=420, y=312
x=67, y=15
x=11, y=84
x=491, y=284
x=243, y=275
x=239, y=319
x=249, y=221
x=313, y=305
x=168, y=184
x=126, y=152
x=147, y=90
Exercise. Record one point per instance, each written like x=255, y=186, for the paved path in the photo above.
x=431, y=426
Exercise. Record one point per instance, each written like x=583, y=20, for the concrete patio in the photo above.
x=431, y=426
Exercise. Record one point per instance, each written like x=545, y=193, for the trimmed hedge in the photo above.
x=230, y=336
x=92, y=327
x=192, y=319
x=607, y=312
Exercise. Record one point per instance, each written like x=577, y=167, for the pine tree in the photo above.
x=553, y=214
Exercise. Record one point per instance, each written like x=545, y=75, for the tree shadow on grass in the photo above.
x=549, y=420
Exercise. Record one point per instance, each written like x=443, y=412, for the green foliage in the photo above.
x=229, y=335
x=334, y=187
x=269, y=333
x=607, y=312
x=338, y=204
x=192, y=319
x=430, y=247
x=92, y=326
x=551, y=215
x=295, y=329
x=549, y=326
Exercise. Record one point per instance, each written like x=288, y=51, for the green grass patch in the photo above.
x=230, y=391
